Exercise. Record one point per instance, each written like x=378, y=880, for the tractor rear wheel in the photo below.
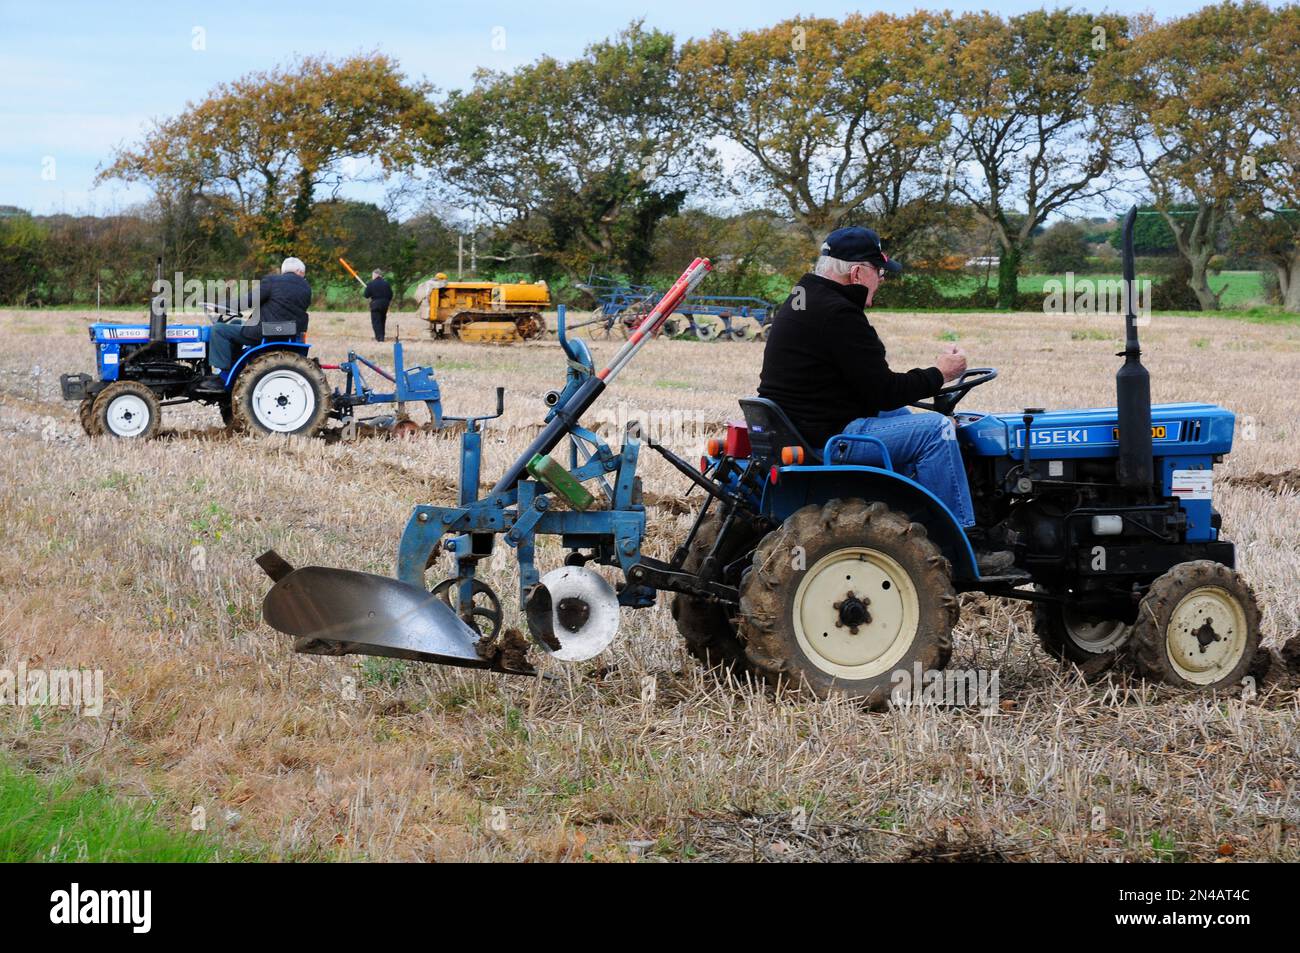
x=1197, y=627
x=280, y=392
x=1070, y=636
x=86, y=414
x=844, y=595
x=707, y=627
x=126, y=409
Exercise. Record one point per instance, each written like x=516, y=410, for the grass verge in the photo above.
x=56, y=821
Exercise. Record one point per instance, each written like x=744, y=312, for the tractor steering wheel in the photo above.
x=220, y=314
x=946, y=400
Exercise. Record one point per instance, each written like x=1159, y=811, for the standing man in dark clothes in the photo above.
x=380, y=293
x=824, y=365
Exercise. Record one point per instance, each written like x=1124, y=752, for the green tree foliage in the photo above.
x=1272, y=202
x=1151, y=234
x=1062, y=248
x=1029, y=134
x=577, y=162
x=261, y=150
x=24, y=260
x=1190, y=98
x=840, y=120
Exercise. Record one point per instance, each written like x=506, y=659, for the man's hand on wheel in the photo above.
x=951, y=363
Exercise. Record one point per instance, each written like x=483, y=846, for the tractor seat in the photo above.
x=770, y=430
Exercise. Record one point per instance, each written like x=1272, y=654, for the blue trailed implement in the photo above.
x=620, y=307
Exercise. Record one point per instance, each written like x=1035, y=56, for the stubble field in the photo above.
x=136, y=559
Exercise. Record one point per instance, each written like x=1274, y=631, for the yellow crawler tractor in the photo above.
x=485, y=311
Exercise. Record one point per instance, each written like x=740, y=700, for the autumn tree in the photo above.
x=263, y=149
x=838, y=120
x=576, y=162
x=1188, y=97
x=1027, y=136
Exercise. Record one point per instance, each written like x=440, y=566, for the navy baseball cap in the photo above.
x=858, y=244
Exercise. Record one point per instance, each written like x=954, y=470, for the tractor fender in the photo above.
x=300, y=346
x=797, y=486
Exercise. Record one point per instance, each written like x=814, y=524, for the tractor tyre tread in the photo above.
x=86, y=416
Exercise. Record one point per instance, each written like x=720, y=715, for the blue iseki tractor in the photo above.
x=274, y=387
x=803, y=570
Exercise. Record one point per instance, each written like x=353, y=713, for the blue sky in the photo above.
x=78, y=78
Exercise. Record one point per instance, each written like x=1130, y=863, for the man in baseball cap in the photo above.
x=824, y=365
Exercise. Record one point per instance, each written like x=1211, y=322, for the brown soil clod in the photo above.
x=1288, y=481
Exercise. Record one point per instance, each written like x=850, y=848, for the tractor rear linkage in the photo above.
x=572, y=612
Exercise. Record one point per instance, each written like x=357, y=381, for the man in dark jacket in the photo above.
x=282, y=297
x=824, y=365
x=380, y=293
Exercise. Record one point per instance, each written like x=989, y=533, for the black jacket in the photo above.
x=283, y=297
x=824, y=364
x=380, y=293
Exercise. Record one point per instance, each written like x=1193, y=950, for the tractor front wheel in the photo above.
x=844, y=596
x=1197, y=627
x=281, y=392
x=1070, y=636
x=126, y=409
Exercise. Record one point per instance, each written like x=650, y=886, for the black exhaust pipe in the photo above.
x=1135, y=468
x=158, y=312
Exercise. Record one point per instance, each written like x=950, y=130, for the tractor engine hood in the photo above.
x=1176, y=429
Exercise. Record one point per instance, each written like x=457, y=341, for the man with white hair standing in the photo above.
x=282, y=297
x=824, y=365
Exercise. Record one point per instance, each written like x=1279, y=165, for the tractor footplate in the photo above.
x=340, y=612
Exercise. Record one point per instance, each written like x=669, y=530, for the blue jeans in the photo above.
x=923, y=447
x=226, y=340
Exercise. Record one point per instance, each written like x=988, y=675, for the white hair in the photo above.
x=294, y=265
x=829, y=267
x=377, y=273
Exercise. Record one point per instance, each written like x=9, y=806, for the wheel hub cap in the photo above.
x=853, y=612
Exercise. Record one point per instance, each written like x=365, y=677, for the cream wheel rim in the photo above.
x=1096, y=636
x=127, y=415
x=862, y=581
x=283, y=401
x=1206, y=635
